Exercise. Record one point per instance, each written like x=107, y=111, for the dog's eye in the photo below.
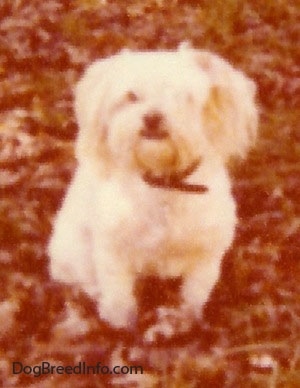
x=132, y=97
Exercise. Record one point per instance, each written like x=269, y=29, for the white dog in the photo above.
x=151, y=194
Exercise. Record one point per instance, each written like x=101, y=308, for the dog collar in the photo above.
x=174, y=184
x=176, y=181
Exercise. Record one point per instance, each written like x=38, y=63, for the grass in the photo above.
x=249, y=335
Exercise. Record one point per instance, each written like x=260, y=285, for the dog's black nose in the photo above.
x=153, y=126
x=153, y=120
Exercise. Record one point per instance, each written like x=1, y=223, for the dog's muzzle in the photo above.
x=176, y=181
x=154, y=130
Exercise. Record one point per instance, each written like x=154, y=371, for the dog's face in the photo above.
x=152, y=118
x=162, y=113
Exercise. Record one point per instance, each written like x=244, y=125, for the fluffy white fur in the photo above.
x=114, y=225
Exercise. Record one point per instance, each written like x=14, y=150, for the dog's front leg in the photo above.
x=198, y=284
x=116, y=300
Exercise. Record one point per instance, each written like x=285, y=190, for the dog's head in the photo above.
x=162, y=113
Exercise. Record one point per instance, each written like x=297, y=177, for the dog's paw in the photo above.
x=120, y=314
x=170, y=322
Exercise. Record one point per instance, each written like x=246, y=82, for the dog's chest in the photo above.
x=150, y=221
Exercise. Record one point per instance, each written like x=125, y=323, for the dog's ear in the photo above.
x=89, y=88
x=89, y=99
x=230, y=114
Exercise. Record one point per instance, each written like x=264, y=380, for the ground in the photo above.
x=249, y=334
